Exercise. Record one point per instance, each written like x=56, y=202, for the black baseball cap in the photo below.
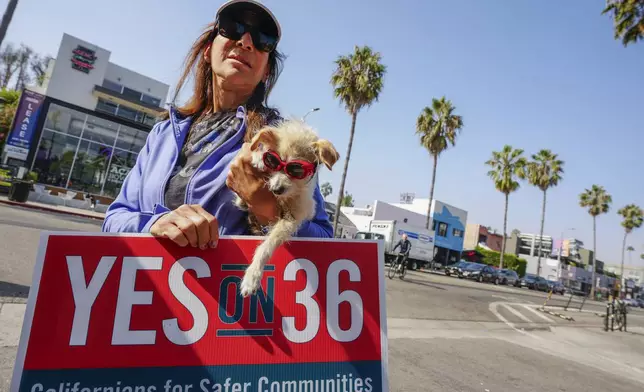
x=265, y=15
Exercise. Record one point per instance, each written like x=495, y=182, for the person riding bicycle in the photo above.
x=405, y=247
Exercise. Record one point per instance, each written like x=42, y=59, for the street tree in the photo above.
x=357, y=82
x=544, y=171
x=437, y=127
x=633, y=217
x=507, y=166
x=597, y=201
x=326, y=189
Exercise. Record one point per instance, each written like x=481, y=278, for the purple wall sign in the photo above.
x=24, y=123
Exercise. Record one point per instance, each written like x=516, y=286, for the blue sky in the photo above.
x=532, y=74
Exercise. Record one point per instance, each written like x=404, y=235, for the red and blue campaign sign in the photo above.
x=133, y=313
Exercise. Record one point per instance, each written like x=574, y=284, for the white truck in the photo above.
x=390, y=231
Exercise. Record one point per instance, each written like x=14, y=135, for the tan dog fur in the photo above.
x=291, y=139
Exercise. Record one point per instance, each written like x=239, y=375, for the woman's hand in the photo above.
x=188, y=225
x=249, y=183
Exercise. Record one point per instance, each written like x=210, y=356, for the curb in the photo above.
x=48, y=209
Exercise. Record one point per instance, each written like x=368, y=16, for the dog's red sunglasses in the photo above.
x=296, y=169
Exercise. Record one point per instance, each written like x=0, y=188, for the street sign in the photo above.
x=133, y=313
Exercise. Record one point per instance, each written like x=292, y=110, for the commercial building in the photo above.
x=485, y=237
x=82, y=128
x=447, y=222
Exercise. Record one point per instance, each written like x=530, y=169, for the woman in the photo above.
x=182, y=184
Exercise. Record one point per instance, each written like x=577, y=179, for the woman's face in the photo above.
x=238, y=65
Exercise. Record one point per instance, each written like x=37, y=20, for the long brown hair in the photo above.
x=201, y=101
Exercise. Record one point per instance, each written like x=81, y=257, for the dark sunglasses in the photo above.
x=296, y=169
x=234, y=30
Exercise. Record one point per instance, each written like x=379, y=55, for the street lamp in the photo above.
x=309, y=112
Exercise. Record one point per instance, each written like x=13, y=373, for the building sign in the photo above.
x=24, y=124
x=407, y=198
x=134, y=313
x=117, y=173
x=83, y=59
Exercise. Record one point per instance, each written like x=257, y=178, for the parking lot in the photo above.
x=445, y=334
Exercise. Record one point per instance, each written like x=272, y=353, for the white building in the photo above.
x=448, y=222
x=83, y=127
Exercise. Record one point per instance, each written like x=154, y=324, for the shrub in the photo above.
x=510, y=261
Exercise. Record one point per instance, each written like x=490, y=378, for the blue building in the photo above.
x=448, y=223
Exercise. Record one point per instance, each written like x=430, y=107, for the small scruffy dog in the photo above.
x=289, y=154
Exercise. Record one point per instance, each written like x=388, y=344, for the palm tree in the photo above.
x=633, y=219
x=357, y=81
x=507, y=165
x=437, y=127
x=6, y=19
x=630, y=251
x=628, y=18
x=326, y=190
x=544, y=172
x=598, y=202
x=347, y=200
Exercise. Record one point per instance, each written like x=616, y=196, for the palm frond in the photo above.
x=438, y=126
x=633, y=217
x=507, y=165
x=596, y=200
x=358, y=78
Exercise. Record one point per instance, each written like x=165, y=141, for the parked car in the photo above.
x=556, y=287
x=456, y=269
x=509, y=277
x=534, y=282
x=481, y=273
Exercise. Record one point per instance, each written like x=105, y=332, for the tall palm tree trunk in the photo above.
x=431, y=193
x=621, y=269
x=6, y=19
x=505, y=226
x=592, y=286
x=354, y=115
x=543, y=219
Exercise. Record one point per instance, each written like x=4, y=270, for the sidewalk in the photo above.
x=52, y=208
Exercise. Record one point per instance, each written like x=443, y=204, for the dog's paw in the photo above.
x=251, y=281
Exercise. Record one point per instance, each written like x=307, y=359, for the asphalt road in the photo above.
x=445, y=334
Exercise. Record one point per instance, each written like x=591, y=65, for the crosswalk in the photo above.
x=520, y=316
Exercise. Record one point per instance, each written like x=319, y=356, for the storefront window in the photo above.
x=131, y=139
x=65, y=120
x=90, y=167
x=54, y=158
x=122, y=163
x=94, y=159
x=100, y=131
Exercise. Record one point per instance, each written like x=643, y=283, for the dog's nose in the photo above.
x=279, y=190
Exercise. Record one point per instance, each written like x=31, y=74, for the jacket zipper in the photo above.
x=176, y=152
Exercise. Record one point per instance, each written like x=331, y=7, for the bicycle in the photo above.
x=397, y=266
x=616, y=312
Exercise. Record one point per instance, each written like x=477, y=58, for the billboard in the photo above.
x=134, y=313
x=24, y=124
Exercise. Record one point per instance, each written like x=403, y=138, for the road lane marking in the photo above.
x=517, y=313
x=493, y=307
x=543, y=316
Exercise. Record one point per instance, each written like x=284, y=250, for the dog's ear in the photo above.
x=326, y=153
x=266, y=136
